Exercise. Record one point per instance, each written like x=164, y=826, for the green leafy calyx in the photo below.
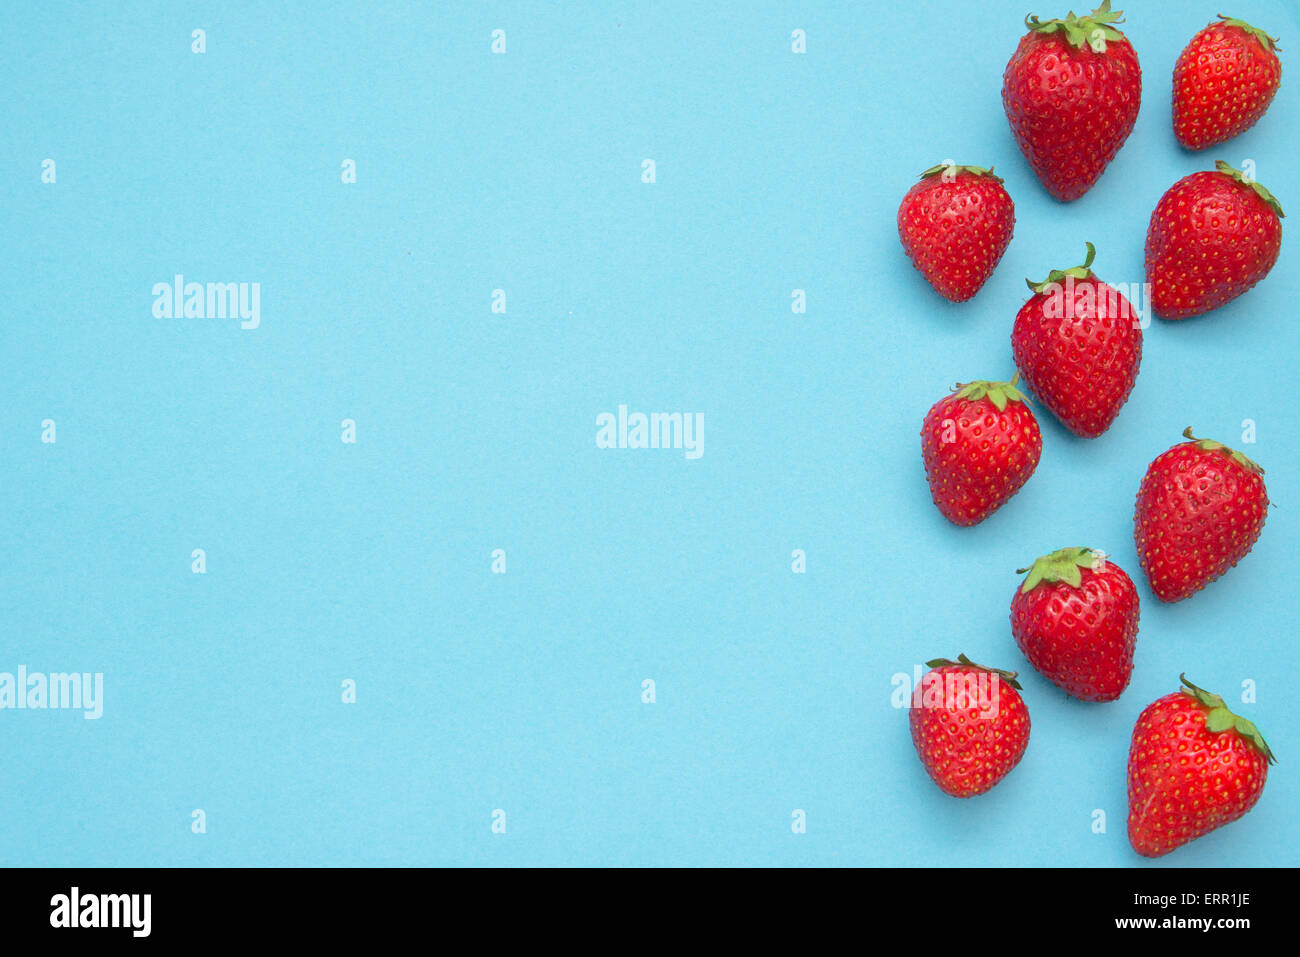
x=1058, y=276
x=1227, y=170
x=1209, y=445
x=999, y=393
x=1219, y=718
x=1063, y=565
x=1094, y=30
x=952, y=169
x=1269, y=43
x=1008, y=676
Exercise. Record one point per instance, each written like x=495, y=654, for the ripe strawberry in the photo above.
x=1224, y=80
x=1212, y=236
x=955, y=224
x=1071, y=93
x=1078, y=343
x=980, y=445
x=1199, y=510
x=969, y=725
x=1193, y=766
x=1075, y=617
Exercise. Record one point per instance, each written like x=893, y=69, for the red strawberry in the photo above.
x=1193, y=766
x=969, y=725
x=1078, y=343
x=1076, y=619
x=980, y=445
x=955, y=225
x=1212, y=236
x=1224, y=80
x=1071, y=93
x=1200, y=509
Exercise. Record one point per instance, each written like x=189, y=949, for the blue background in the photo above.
x=476, y=431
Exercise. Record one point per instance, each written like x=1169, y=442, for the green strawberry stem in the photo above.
x=1219, y=719
x=999, y=393
x=1057, y=276
x=1008, y=676
x=1227, y=170
x=1209, y=445
x=1094, y=29
x=955, y=169
x=1269, y=43
x=1062, y=565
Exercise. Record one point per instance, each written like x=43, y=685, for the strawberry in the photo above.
x=1193, y=766
x=1224, y=80
x=1212, y=236
x=1075, y=617
x=969, y=725
x=1199, y=510
x=1078, y=343
x=980, y=445
x=1071, y=93
x=955, y=225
